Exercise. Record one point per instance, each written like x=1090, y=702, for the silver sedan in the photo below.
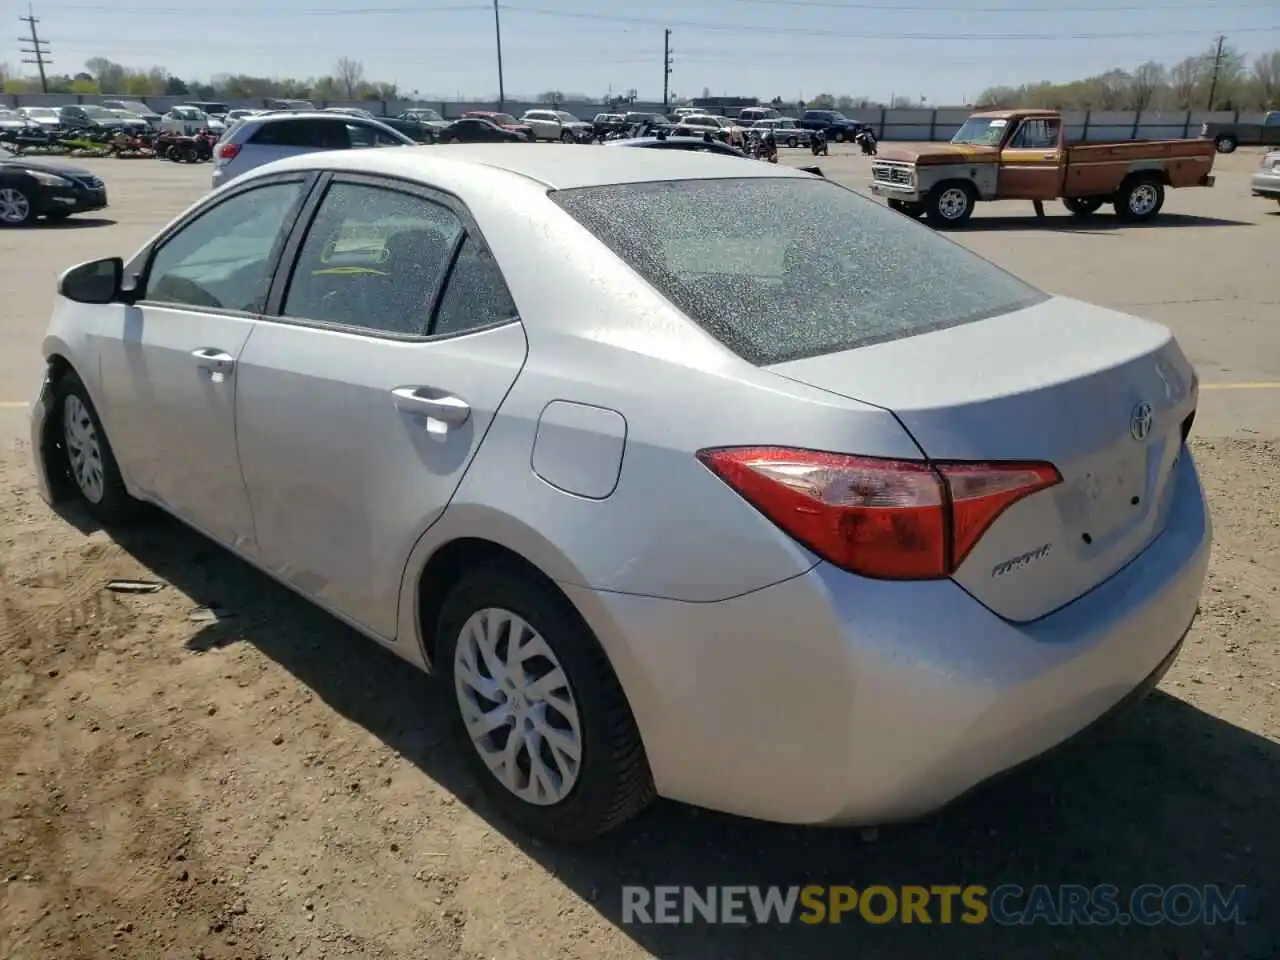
x=1266, y=179
x=816, y=518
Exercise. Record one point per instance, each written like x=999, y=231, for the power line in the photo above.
x=1056, y=8
x=666, y=65
x=869, y=35
x=38, y=53
x=819, y=4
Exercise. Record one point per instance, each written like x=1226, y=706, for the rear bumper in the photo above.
x=831, y=699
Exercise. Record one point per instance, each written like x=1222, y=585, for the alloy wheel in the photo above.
x=84, y=452
x=15, y=208
x=518, y=708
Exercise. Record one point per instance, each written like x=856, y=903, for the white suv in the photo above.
x=272, y=136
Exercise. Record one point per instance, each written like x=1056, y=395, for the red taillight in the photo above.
x=228, y=151
x=889, y=519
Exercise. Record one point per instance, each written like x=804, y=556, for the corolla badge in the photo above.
x=1141, y=421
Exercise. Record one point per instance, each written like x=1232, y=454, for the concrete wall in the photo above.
x=928, y=124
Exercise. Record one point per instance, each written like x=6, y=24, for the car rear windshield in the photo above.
x=783, y=268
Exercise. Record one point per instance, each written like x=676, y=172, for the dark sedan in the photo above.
x=479, y=130
x=46, y=188
x=416, y=130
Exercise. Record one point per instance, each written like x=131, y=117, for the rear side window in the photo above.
x=311, y=133
x=783, y=268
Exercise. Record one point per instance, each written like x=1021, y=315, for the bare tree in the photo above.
x=350, y=76
x=1185, y=79
x=1266, y=76
x=1148, y=79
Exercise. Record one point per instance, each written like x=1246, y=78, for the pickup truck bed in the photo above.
x=1096, y=169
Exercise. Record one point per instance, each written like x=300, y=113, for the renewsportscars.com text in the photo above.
x=1007, y=905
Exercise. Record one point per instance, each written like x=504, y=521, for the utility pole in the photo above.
x=497, y=33
x=39, y=53
x=1217, y=69
x=666, y=65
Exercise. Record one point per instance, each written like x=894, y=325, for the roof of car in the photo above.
x=553, y=165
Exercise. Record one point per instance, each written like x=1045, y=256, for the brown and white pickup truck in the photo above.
x=1022, y=155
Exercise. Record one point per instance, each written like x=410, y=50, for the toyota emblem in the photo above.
x=1140, y=421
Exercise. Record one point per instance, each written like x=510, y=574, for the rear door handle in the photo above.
x=213, y=359
x=446, y=409
x=1051, y=156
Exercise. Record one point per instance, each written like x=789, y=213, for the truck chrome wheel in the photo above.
x=953, y=203
x=1143, y=199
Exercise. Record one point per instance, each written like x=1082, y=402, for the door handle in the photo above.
x=213, y=359
x=1051, y=156
x=432, y=404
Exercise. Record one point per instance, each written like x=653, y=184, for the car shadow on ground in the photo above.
x=72, y=223
x=1102, y=222
x=1165, y=795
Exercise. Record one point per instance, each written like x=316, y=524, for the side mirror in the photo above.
x=98, y=281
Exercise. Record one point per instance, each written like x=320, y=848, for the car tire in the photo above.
x=950, y=204
x=1226, y=143
x=839, y=136
x=88, y=459
x=793, y=142
x=1083, y=206
x=16, y=209
x=610, y=781
x=1139, y=200
x=566, y=137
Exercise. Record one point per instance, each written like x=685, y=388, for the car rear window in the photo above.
x=783, y=268
x=310, y=132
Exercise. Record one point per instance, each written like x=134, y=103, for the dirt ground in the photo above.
x=270, y=785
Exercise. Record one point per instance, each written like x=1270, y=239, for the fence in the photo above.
x=918, y=124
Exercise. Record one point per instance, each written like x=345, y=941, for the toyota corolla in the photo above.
x=692, y=478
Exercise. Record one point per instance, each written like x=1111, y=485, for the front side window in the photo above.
x=373, y=258
x=222, y=259
x=780, y=268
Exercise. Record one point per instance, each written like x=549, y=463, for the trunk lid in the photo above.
x=1101, y=395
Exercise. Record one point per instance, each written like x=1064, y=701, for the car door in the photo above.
x=1031, y=161
x=168, y=362
x=362, y=399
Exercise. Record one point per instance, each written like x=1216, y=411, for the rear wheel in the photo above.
x=1226, y=143
x=1083, y=206
x=1139, y=200
x=839, y=136
x=950, y=204
x=537, y=709
x=566, y=137
x=793, y=142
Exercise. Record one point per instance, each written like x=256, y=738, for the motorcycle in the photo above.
x=762, y=148
x=818, y=144
x=867, y=141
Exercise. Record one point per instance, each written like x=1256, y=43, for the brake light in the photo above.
x=228, y=151
x=887, y=519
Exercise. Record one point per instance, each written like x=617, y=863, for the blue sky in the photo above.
x=944, y=50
